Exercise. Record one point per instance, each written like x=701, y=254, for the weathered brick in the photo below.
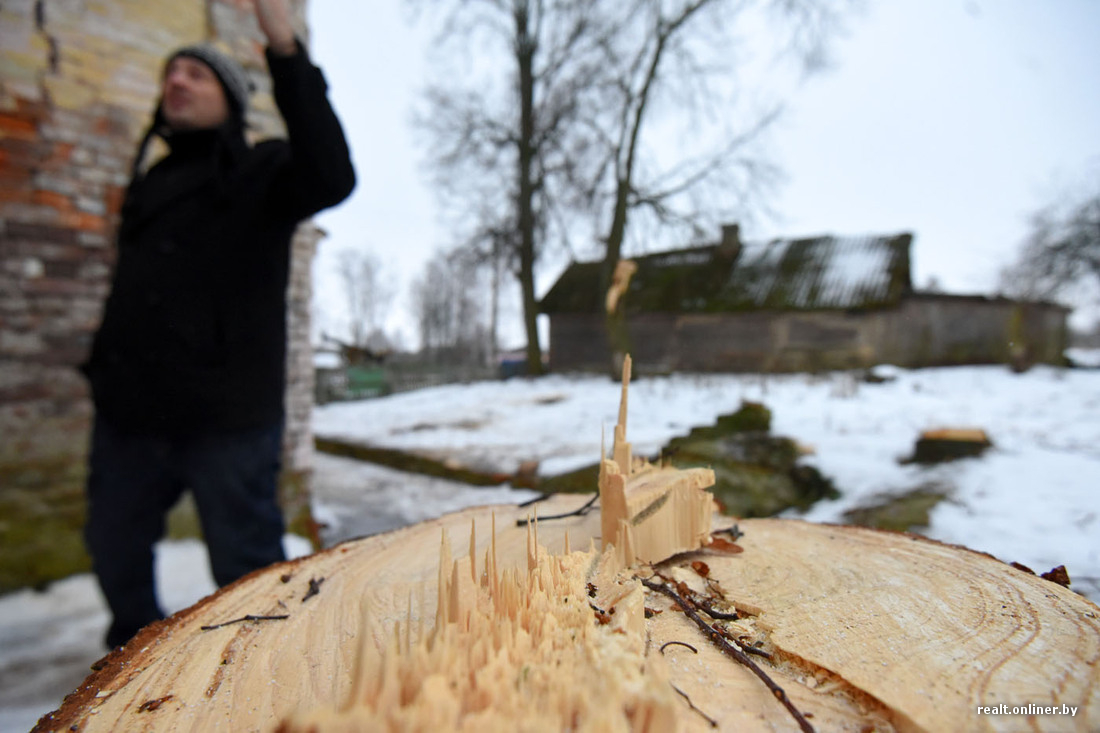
x=17, y=127
x=21, y=156
x=21, y=343
x=62, y=269
x=83, y=221
x=19, y=230
x=93, y=239
x=24, y=268
x=61, y=350
x=13, y=195
x=91, y=205
x=24, y=392
x=52, y=199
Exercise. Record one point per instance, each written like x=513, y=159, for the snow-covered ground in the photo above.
x=1034, y=498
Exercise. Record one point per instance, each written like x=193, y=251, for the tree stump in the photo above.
x=655, y=623
x=867, y=630
x=949, y=444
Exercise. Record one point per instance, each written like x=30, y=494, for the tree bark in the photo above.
x=618, y=335
x=634, y=116
x=525, y=58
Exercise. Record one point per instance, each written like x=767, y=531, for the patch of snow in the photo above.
x=1084, y=357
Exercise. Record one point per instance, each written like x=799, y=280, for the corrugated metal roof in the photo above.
x=827, y=272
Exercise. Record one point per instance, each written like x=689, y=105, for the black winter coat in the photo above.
x=193, y=336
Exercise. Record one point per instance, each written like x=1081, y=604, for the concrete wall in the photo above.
x=924, y=331
x=78, y=81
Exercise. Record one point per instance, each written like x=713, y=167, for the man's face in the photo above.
x=193, y=98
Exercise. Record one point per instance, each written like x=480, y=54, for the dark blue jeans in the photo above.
x=134, y=480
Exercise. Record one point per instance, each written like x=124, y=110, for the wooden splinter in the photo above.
x=650, y=513
x=511, y=644
x=524, y=637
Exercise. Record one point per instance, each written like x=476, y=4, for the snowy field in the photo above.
x=1033, y=498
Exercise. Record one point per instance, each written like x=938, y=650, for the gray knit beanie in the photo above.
x=231, y=74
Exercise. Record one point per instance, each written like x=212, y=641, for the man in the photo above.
x=187, y=369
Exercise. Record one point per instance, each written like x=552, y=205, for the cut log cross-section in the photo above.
x=552, y=626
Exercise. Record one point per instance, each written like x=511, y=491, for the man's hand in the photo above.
x=274, y=19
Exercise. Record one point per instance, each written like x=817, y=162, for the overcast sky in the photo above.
x=952, y=119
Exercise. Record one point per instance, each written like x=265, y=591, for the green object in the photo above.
x=366, y=381
x=41, y=523
x=756, y=474
x=904, y=512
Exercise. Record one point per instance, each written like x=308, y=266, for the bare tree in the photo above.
x=493, y=141
x=450, y=310
x=677, y=54
x=562, y=139
x=432, y=303
x=369, y=294
x=1062, y=252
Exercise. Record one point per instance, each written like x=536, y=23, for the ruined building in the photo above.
x=791, y=305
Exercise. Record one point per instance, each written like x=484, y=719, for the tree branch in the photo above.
x=732, y=651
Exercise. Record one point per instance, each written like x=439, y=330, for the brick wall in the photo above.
x=78, y=82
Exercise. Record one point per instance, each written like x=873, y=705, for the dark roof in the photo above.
x=784, y=274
